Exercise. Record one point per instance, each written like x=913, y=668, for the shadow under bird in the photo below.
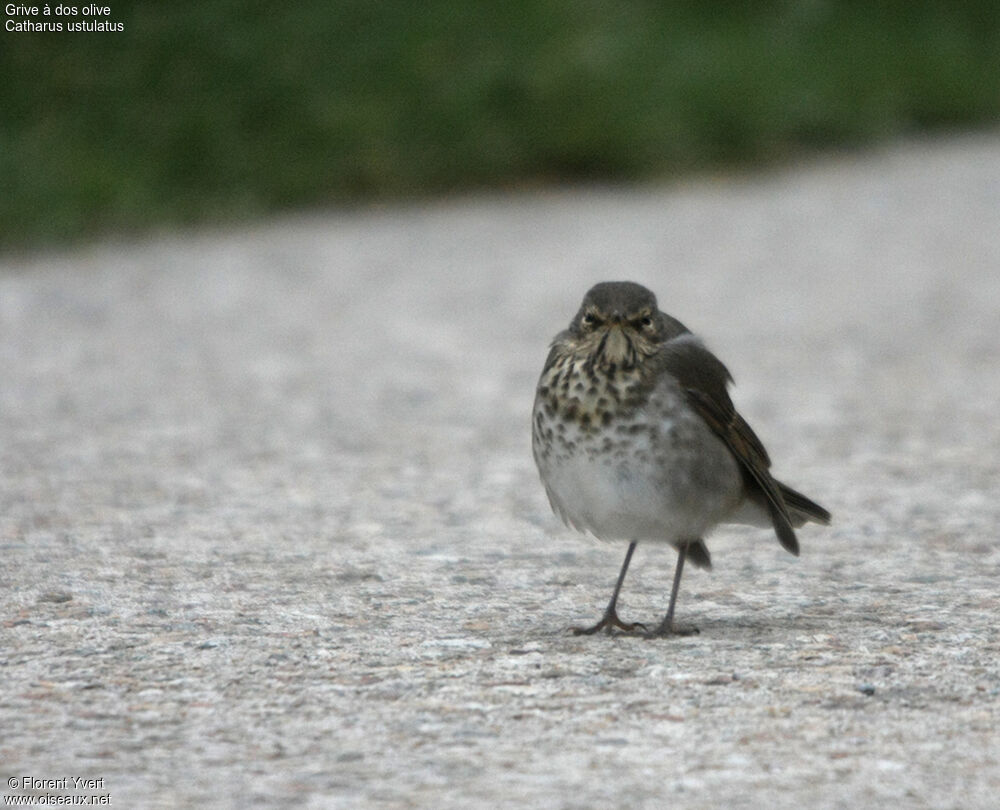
x=636, y=439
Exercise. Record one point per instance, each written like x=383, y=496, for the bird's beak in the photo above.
x=616, y=345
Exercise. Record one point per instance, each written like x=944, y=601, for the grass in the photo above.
x=220, y=110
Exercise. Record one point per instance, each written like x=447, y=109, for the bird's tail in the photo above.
x=801, y=509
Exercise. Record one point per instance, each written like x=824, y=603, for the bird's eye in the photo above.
x=647, y=321
x=589, y=319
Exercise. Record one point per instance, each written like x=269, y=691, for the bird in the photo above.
x=636, y=439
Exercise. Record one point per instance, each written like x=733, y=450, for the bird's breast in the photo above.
x=577, y=391
x=647, y=469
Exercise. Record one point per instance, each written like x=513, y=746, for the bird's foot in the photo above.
x=608, y=623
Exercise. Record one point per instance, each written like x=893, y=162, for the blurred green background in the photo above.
x=217, y=110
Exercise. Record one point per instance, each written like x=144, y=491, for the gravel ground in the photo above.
x=271, y=535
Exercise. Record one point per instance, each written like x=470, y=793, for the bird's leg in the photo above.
x=610, y=619
x=666, y=627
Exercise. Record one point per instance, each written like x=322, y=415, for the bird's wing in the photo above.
x=704, y=380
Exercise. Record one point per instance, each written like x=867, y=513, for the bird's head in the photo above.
x=619, y=323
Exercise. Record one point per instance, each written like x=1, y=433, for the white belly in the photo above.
x=671, y=483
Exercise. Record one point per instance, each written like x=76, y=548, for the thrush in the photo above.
x=636, y=439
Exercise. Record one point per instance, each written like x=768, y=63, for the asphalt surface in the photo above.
x=271, y=535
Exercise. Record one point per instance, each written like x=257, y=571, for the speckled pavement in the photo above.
x=271, y=535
